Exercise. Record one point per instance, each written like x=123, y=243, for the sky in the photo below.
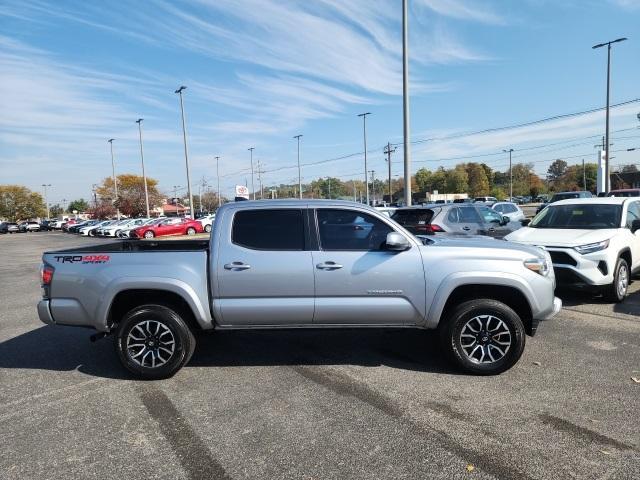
x=258, y=72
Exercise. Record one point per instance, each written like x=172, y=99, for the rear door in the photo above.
x=633, y=213
x=493, y=223
x=264, y=269
x=357, y=281
x=463, y=220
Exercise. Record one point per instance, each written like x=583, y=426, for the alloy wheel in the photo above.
x=150, y=343
x=485, y=339
x=623, y=281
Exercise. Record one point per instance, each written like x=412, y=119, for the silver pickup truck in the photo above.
x=301, y=264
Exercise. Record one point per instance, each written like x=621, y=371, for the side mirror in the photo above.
x=525, y=222
x=397, y=242
x=505, y=220
x=635, y=226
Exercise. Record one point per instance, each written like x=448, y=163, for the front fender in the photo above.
x=200, y=310
x=455, y=280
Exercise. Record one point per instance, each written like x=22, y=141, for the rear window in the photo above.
x=413, y=217
x=280, y=229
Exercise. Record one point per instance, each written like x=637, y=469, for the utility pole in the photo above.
x=251, y=149
x=144, y=175
x=260, y=180
x=95, y=195
x=373, y=187
x=388, y=151
x=405, y=104
x=510, y=175
x=329, y=181
x=607, y=182
x=297, y=137
x=200, y=193
x=175, y=197
x=115, y=180
x=218, y=175
x=364, y=132
x=46, y=202
x=353, y=184
x=584, y=176
x=186, y=153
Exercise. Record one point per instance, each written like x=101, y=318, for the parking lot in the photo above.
x=315, y=404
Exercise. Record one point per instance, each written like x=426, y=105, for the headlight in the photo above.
x=592, y=247
x=538, y=265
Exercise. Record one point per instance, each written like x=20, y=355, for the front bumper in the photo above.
x=44, y=312
x=573, y=268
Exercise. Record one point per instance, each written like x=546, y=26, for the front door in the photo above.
x=357, y=280
x=264, y=271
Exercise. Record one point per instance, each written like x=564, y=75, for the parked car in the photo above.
x=625, y=192
x=126, y=232
x=593, y=243
x=91, y=229
x=485, y=200
x=563, y=196
x=29, y=227
x=114, y=228
x=76, y=228
x=9, y=227
x=45, y=226
x=207, y=222
x=508, y=209
x=68, y=224
x=301, y=265
x=454, y=219
x=168, y=226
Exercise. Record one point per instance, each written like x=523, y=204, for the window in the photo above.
x=351, y=230
x=490, y=215
x=464, y=215
x=505, y=208
x=414, y=216
x=633, y=213
x=280, y=229
x=583, y=216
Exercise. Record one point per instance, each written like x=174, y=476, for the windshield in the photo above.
x=564, y=196
x=579, y=216
x=624, y=193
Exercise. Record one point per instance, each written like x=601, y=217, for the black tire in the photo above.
x=508, y=328
x=135, y=323
x=621, y=276
x=92, y=233
x=207, y=228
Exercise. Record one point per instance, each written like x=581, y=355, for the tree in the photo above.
x=478, y=181
x=439, y=180
x=423, y=179
x=104, y=209
x=55, y=211
x=488, y=172
x=556, y=170
x=79, y=205
x=210, y=201
x=20, y=203
x=131, y=200
x=629, y=168
x=457, y=180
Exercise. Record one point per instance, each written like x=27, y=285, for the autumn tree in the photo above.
x=131, y=199
x=556, y=170
x=423, y=179
x=478, y=181
x=457, y=179
x=79, y=205
x=20, y=203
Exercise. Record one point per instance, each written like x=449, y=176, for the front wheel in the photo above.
x=191, y=231
x=207, y=228
x=483, y=336
x=618, y=289
x=154, y=342
x=149, y=234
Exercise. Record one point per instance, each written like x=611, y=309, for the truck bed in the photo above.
x=140, y=246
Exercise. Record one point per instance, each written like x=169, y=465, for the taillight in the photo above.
x=46, y=274
x=429, y=229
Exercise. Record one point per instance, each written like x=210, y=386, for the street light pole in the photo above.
x=144, y=175
x=186, y=153
x=218, y=175
x=364, y=133
x=405, y=104
x=253, y=191
x=606, y=150
x=510, y=175
x=297, y=137
x=46, y=202
x=373, y=187
x=115, y=180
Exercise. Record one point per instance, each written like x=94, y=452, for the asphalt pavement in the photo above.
x=361, y=404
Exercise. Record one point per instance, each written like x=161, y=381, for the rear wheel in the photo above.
x=207, y=228
x=149, y=234
x=154, y=342
x=618, y=289
x=191, y=231
x=483, y=336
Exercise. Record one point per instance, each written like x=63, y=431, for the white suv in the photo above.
x=593, y=242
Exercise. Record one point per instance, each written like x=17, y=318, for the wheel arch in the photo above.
x=626, y=254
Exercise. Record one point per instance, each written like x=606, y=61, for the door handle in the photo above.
x=466, y=228
x=328, y=266
x=492, y=229
x=237, y=266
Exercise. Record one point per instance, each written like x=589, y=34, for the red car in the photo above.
x=168, y=226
